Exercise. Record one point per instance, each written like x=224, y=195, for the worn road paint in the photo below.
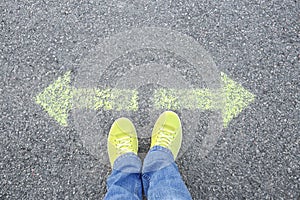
x=60, y=97
x=231, y=99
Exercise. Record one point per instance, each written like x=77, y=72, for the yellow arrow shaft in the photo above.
x=203, y=99
x=108, y=99
x=125, y=99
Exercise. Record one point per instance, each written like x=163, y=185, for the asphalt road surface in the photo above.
x=144, y=46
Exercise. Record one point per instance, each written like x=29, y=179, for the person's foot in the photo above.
x=167, y=132
x=122, y=139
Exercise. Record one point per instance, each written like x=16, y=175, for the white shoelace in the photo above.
x=165, y=139
x=124, y=144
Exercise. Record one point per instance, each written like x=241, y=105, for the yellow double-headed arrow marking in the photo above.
x=60, y=97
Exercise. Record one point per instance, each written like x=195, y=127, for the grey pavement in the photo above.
x=256, y=43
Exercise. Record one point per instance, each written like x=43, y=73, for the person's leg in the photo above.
x=125, y=179
x=161, y=178
x=160, y=175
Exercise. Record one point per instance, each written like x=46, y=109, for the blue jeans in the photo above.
x=159, y=177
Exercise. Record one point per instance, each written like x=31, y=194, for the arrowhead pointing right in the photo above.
x=236, y=99
x=56, y=99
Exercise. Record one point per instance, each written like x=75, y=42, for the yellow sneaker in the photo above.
x=167, y=132
x=122, y=139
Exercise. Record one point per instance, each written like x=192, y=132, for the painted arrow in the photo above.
x=231, y=99
x=59, y=98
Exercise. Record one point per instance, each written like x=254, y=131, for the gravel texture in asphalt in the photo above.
x=255, y=43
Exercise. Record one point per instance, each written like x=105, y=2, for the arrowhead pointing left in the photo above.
x=56, y=99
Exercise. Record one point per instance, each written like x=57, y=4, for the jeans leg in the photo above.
x=125, y=180
x=161, y=178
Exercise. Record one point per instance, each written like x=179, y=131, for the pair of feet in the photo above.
x=122, y=138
